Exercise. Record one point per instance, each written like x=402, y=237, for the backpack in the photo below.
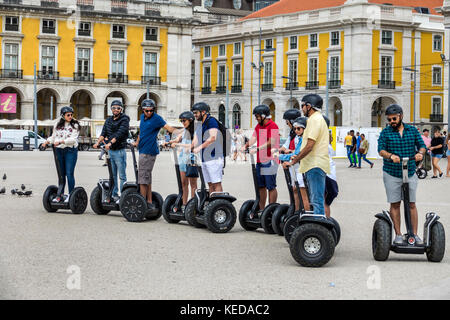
x=226, y=140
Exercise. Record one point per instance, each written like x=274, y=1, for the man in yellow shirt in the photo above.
x=315, y=162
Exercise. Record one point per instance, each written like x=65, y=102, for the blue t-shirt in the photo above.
x=149, y=129
x=358, y=142
x=209, y=153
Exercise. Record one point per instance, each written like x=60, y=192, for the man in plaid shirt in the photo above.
x=396, y=141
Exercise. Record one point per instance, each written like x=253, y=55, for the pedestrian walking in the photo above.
x=437, y=150
x=363, y=150
x=447, y=143
x=331, y=185
x=426, y=137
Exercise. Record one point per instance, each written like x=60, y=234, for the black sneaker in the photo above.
x=150, y=206
x=434, y=177
x=440, y=175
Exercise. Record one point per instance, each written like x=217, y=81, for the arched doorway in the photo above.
x=44, y=102
x=335, y=105
x=17, y=114
x=222, y=113
x=293, y=103
x=271, y=104
x=82, y=104
x=378, y=108
x=236, y=116
x=152, y=96
x=115, y=95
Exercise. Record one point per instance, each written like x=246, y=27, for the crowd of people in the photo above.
x=357, y=149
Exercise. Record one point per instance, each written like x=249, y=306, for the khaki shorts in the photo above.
x=146, y=163
x=393, y=186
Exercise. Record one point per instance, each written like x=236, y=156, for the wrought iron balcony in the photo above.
x=312, y=85
x=119, y=6
x=48, y=30
x=50, y=3
x=334, y=84
x=84, y=33
x=85, y=5
x=11, y=27
x=153, y=81
x=267, y=87
x=118, y=35
x=386, y=84
x=236, y=89
x=206, y=90
x=291, y=85
x=11, y=74
x=48, y=75
x=436, y=117
x=12, y=1
x=83, y=77
x=117, y=78
x=221, y=89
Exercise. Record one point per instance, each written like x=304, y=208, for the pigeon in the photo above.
x=4, y=176
x=22, y=186
x=28, y=193
x=20, y=193
x=3, y=190
x=14, y=191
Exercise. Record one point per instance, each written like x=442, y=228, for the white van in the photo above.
x=13, y=138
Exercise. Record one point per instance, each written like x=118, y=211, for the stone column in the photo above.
x=26, y=112
x=98, y=111
x=131, y=111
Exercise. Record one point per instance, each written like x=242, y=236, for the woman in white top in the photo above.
x=65, y=140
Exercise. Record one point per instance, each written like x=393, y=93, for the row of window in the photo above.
x=84, y=28
x=48, y=59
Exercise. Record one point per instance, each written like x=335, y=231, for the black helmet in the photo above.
x=300, y=122
x=263, y=110
x=117, y=103
x=394, y=109
x=291, y=115
x=186, y=115
x=148, y=103
x=66, y=109
x=314, y=100
x=326, y=120
x=201, y=106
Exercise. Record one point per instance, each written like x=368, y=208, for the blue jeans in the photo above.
x=349, y=153
x=67, y=158
x=363, y=156
x=118, y=164
x=316, y=183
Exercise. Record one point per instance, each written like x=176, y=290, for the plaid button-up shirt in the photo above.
x=402, y=146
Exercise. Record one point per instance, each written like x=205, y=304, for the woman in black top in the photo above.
x=437, y=149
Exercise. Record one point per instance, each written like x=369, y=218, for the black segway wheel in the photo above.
x=49, y=194
x=336, y=230
x=191, y=212
x=78, y=200
x=156, y=213
x=381, y=240
x=167, y=208
x=244, y=215
x=289, y=227
x=266, y=217
x=436, y=250
x=133, y=205
x=220, y=216
x=312, y=245
x=278, y=214
x=96, y=201
x=421, y=173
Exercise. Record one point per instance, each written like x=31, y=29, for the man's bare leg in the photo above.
x=395, y=216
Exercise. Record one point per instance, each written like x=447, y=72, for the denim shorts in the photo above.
x=439, y=156
x=266, y=175
x=448, y=153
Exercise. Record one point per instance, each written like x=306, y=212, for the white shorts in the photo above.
x=298, y=176
x=212, y=170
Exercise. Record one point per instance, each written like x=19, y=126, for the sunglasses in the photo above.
x=116, y=108
x=68, y=115
x=298, y=128
x=392, y=119
x=148, y=110
x=183, y=120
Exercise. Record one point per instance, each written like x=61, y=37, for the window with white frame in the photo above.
x=335, y=38
x=293, y=43
x=313, y=43
x=207, y=52
x=437, y=75
x=150, y=67
x=151, y=34
x=117, y=62
x=237, y=75
x=11, y=57
x=222, y=74
x=222, y=50
x=292, y=71
x=386, y=69
x=237, y=48
x=436, y=108
x=437, y=42
x=334, y=68
x=84, y=29
x=269, y=44
x=83, y=61
x=49, y=26
x=11, y=23
x=268, y=72
x=48, y=59
x=207, y=77
x=386, y=37
x=118, y=31
x=313, y=70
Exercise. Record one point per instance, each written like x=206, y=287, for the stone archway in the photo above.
x=222, y=116
x=82, y=104
x=17, y=114
x=236, y=116
x=44, y=102
x=335, y=111
x=115, y=95
x=269, y=102
x=377, y=111
x=152, y=96
x=292, y=104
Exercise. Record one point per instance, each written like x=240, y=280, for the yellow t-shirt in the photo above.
x=348, y=140
x=317, y=130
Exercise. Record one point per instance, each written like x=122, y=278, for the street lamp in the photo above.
x=444, y=60
x=291, y=82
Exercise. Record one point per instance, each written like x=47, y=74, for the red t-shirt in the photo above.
x=263, y=134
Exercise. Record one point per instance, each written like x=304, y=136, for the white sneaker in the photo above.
x=398, y=240
x=56, y=199
x=418, y=240
x=66, y=198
